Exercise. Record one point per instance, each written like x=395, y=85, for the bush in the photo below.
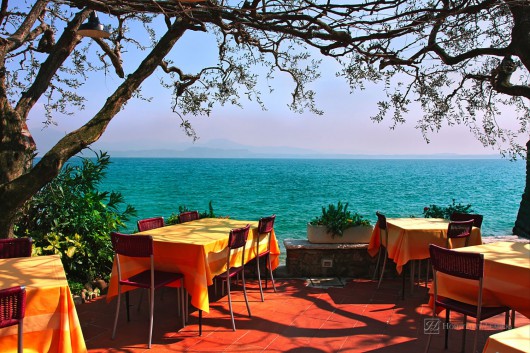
x=338, y=218
x=434, y=211
x=70, y=217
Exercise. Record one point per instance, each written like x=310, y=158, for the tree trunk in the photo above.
x=23, y=184
x=522, y=223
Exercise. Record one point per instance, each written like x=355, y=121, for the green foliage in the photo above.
x=174, y=218
x=70, y=217
x=434, y=211
x=338, y=218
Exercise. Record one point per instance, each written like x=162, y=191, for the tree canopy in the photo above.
x=460, y=61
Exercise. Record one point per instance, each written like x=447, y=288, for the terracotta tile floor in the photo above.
x=299, y=318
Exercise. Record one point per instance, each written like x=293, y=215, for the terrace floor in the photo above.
x=353, y=317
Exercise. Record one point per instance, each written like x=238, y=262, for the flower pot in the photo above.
x=357, y=234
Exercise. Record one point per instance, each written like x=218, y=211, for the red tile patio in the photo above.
x=299, y=318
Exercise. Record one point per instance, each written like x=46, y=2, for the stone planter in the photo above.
x=358, y=234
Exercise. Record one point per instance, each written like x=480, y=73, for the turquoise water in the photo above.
x=297, y=189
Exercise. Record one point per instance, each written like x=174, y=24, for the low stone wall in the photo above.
x=305, y=259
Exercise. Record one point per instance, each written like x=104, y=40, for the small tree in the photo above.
x=70, y=217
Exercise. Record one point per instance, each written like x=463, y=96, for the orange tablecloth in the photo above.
x=511, y=341
x=409, y=238
x=51, y=323
x=196, y=249
x=506, y=277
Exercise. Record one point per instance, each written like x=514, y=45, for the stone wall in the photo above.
x=305, y=259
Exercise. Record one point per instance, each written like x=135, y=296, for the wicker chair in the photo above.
x=15, y=247
x=265, y=228
x=237, y=239
x=459, y=230
x=150, y=223
x=188, y=216
x=464, y=265
x=142, y=246
x=383, y=252
x=477, y=218
x=12, y=310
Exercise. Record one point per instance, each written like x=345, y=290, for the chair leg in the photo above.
x=127, y=305
x=447, y=314
x=151, y=313
x=382, y=270
x=245, y=292
x=21, y=336
x=230, y=303
x=270, y=270
x=464, y=328
x=200, y=322
x=376, y=269
x=117, y=313
x=513, y=318
x=259, y=278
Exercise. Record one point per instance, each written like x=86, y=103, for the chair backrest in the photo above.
x=459, y=229
x=188, y=216
x=456, y=263
x=150, y=223
x=266, y=224
x=381, y=219
x=15, y=247
x=12, y=305
x=238, y=237
x=132, y=245
x=477, y=218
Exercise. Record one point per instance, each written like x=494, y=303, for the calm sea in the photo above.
x=297, y=189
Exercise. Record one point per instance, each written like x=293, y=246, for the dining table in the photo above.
x=197, y=249
x=516, y=340
x=51, y=323
x=409, y=238
x=506, y=277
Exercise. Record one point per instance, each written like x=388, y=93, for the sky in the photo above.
x=345, y=127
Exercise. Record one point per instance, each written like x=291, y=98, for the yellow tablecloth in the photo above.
x=51, y=323
x=409, y=238
x=506, y=277
x=512, y=341
x=196, y=249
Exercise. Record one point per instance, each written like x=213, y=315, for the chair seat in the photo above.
x=143, y=279
x=264, y=253
x=471, y=310
x=231, y=272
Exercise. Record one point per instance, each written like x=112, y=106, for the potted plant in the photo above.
x=337, y=224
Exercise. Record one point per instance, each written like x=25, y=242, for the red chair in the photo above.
x=265, y=228
x=383, y=252
x=142, y=246
x=13, y=309
x=15, y=247
x=237, y=239
x=150, y=223
x=459, y=230
x=188, y=216
x=477, y=218
x=464, y=265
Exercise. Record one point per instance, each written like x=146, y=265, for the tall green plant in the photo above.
x=72, y=218
x=338, y=218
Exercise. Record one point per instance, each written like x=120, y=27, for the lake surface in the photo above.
x=297, y=189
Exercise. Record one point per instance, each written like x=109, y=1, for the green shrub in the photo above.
x=174, y=217
x=434, y=211
x=338, y=218
x=70, y=217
